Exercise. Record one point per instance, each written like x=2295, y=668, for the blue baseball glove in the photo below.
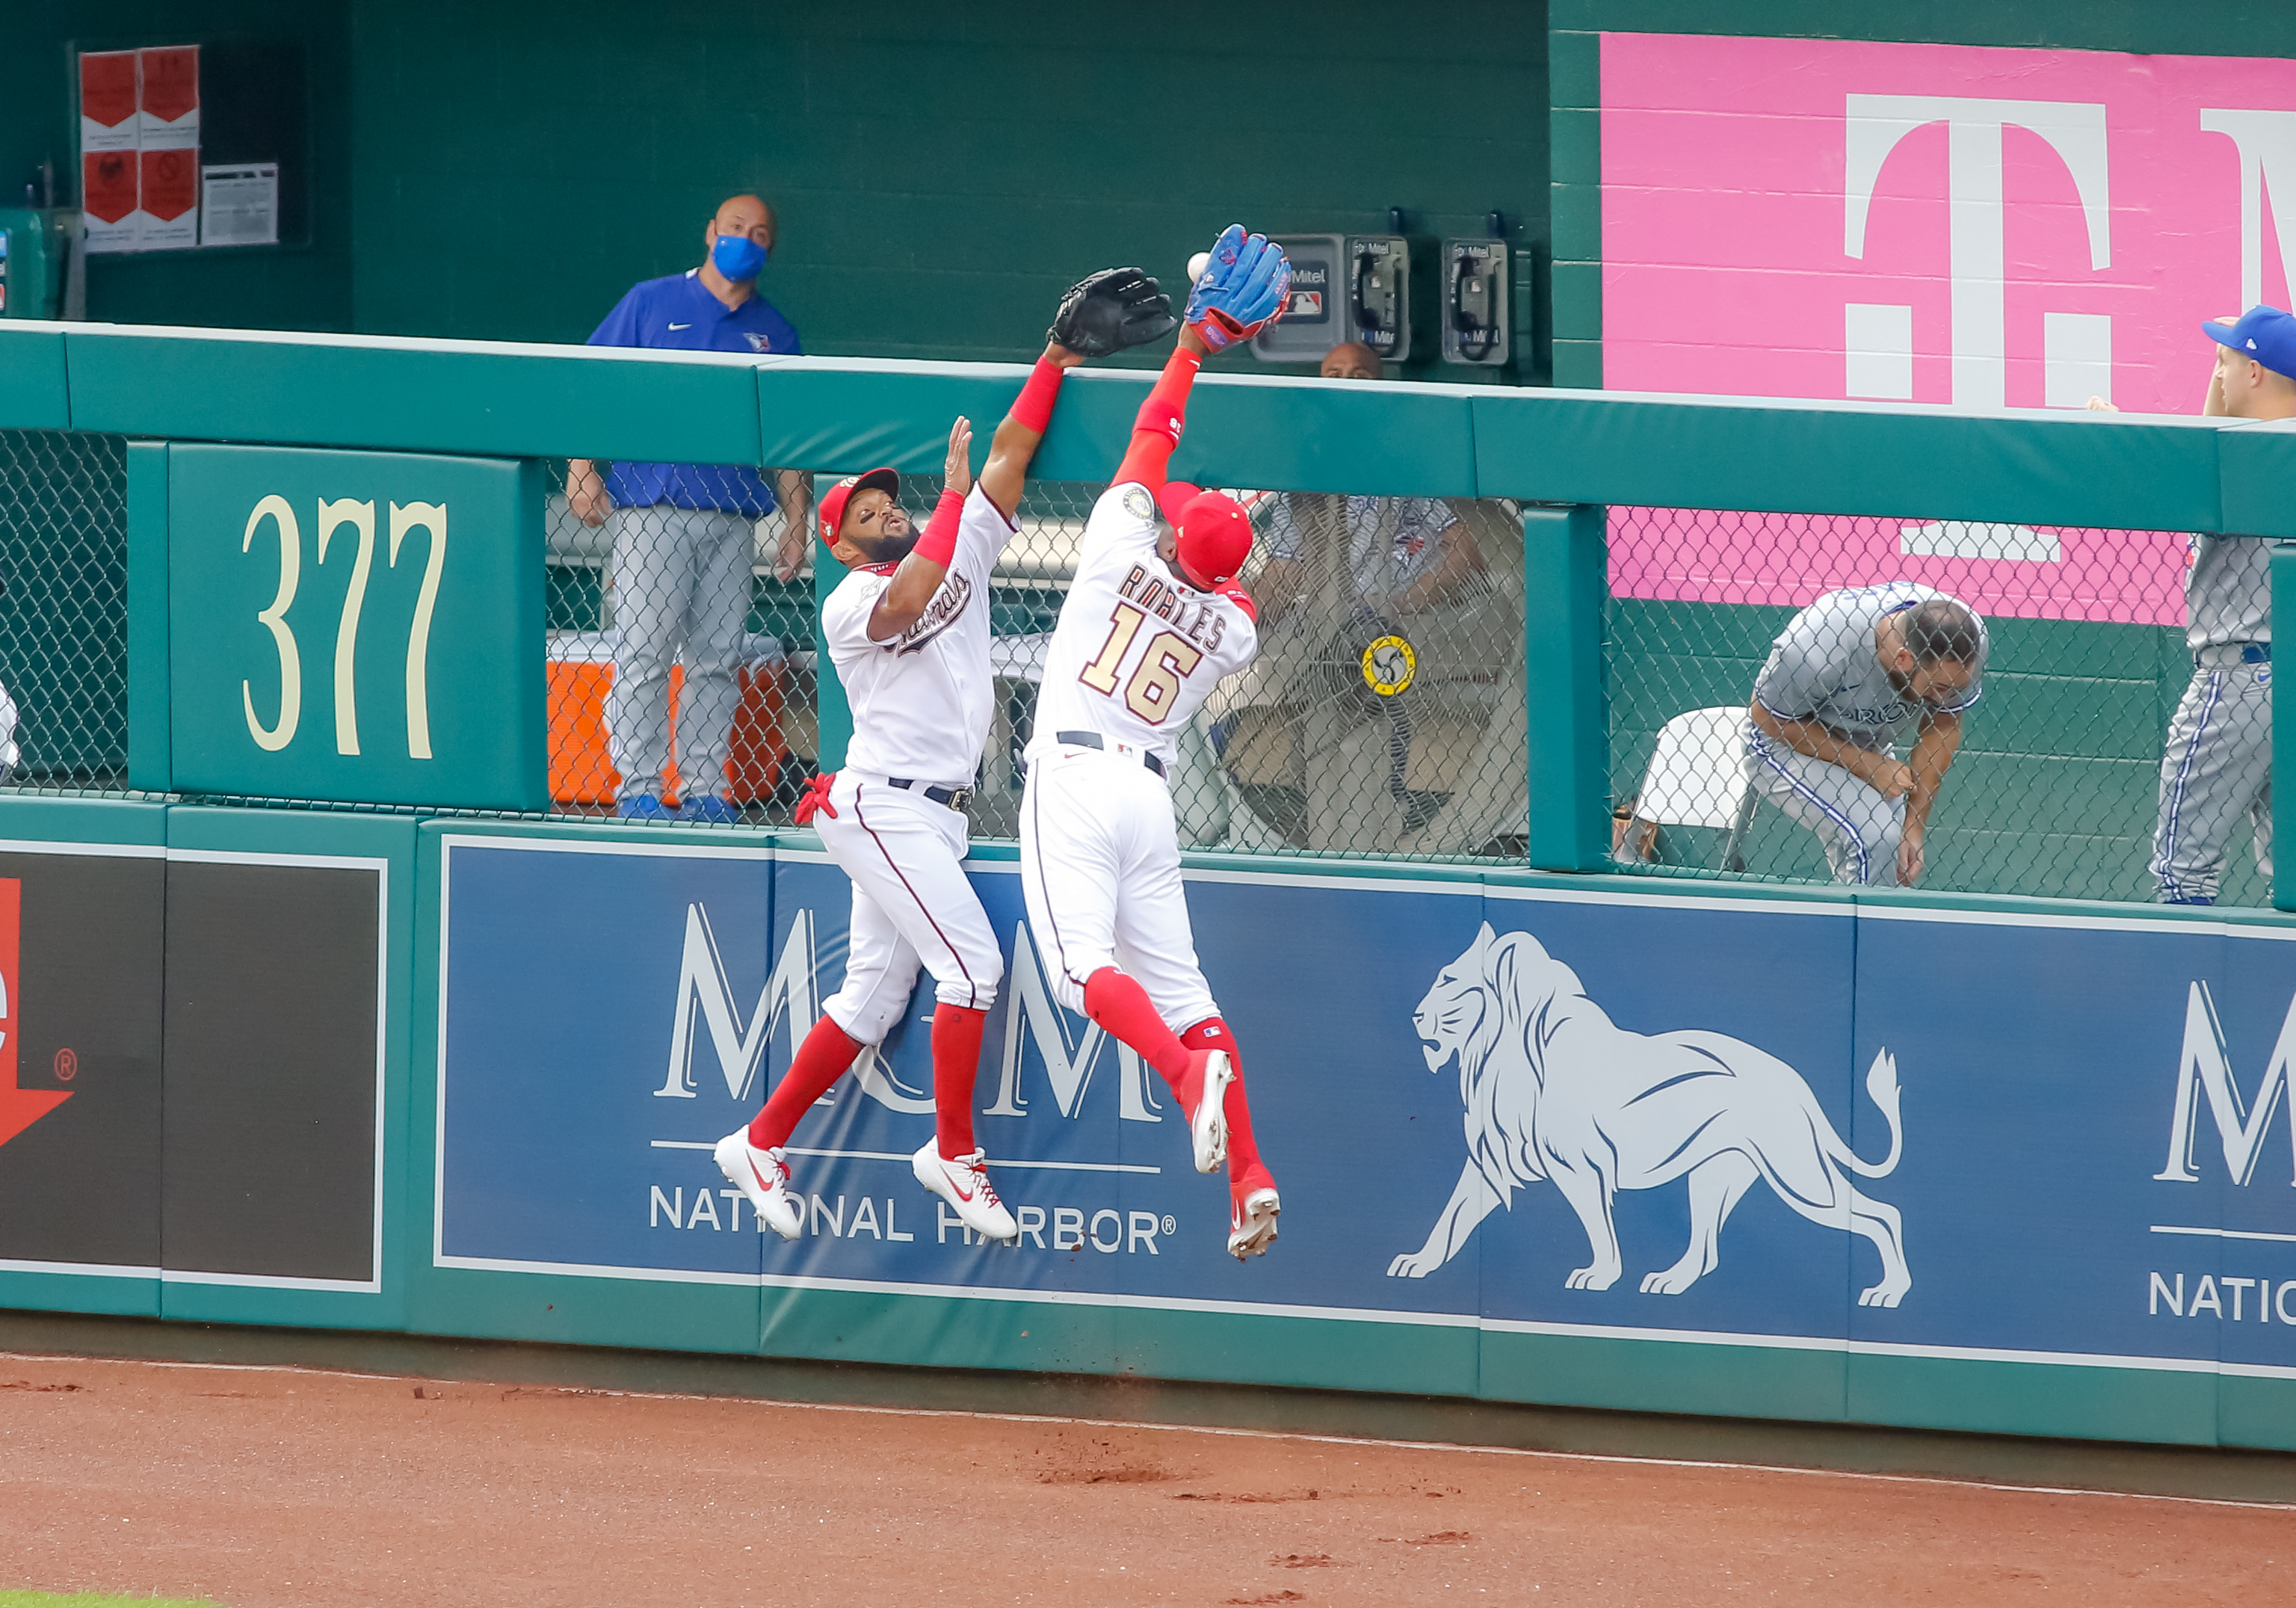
x=1247, y=284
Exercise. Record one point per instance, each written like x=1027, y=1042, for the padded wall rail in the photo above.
x=2128, y=472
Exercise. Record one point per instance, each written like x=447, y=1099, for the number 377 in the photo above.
x=359, y=518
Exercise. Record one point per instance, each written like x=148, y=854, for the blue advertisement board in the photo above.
x=1570, y=1111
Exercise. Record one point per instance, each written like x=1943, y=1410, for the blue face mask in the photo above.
x=737, y=257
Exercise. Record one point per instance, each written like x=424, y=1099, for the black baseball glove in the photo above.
x=1110, y=310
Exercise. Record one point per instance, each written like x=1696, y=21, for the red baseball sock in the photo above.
x=956, y=1059
x=1123, y=1006
x=1244, y=1164
x=821, y=1060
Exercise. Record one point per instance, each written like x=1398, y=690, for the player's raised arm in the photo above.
x=1103, y=313
x=1247, y=283
x=921, y=573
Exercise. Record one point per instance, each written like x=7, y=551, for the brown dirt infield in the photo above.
x=270, y=1486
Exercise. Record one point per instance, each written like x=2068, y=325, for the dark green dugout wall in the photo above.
x=506, y=171
x=941, y=169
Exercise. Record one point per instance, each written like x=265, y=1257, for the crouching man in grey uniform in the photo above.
x=1845, y=677
x=2217, y=764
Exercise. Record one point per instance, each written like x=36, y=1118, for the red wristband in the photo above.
x=1034, y=408
x=937, y=545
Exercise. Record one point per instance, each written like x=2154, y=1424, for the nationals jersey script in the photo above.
x=1137, y=651
x=922, y=701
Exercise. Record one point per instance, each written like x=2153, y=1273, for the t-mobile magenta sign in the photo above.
x=1933, y=223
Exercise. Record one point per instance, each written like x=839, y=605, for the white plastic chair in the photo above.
x=10, y=753
x=1697, y=777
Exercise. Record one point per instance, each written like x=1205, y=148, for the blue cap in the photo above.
x=2264, y=333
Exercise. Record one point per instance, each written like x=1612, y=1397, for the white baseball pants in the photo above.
x=681, y=581
x=912, y=905
x=1857, y=826
x=1099, y=869
x=2216, y=768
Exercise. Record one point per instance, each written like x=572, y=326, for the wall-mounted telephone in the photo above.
x=1475, y=315
x=1379, y=293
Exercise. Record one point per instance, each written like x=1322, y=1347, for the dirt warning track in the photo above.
x=262, y=1487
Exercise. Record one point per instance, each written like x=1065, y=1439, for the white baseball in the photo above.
x=1197, y=265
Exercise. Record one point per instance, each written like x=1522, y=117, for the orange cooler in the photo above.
x=581, y=766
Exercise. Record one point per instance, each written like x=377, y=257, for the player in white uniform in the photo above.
x=908, y=631
x=1152, y=621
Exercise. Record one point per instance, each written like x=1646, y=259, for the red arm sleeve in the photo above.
x=1157, y=431
x=937, y=545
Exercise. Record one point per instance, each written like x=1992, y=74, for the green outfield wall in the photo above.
x=398, y=1067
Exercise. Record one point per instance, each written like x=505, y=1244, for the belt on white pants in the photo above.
x=1129, y=751
x=955, y=798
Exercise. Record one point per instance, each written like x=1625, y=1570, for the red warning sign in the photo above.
x=108, y=184
x=171, y=81
x=107, y=87
x=171, y=182
x=19, y=1108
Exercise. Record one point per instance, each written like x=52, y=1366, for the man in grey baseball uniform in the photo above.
x=2217, y=764
x=1845, y=678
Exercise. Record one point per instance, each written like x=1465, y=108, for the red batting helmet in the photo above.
x=833, y=500
x=1211, y=531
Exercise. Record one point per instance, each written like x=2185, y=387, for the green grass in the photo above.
x=97, y=1599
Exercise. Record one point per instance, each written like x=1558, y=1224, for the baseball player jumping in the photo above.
x=1152, y=621
x=908, y=631
x=2216, y=765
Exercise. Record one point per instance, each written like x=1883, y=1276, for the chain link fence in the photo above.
x=682, y=658
x=1383, y=716
x=2057, y=788
x=1384, y=713
x=63, y=612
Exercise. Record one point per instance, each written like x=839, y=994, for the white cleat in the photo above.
x=964, y=1185
x=763, y=1176
x=1208, y=1123
x=1251, y=1224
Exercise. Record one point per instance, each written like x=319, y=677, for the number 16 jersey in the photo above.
x=1136, y=650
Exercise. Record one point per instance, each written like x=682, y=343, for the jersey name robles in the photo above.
x=1137, y=651
x=922, y=701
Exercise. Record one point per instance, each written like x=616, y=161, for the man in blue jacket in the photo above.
x=682, y=532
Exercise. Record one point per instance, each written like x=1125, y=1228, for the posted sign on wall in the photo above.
x=1935, y=223
x=360, y=626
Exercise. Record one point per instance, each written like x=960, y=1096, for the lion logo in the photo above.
x=1554, y=1090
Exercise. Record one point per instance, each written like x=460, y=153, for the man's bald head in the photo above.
x=742, y=215
x=1351, y=360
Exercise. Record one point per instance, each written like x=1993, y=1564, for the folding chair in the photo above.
x=1696, y=777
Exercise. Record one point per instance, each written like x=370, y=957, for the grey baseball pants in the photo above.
x=681, y=591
